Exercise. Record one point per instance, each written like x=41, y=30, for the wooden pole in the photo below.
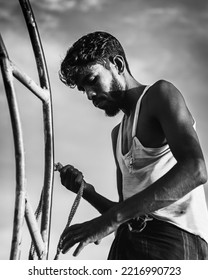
x=48, y=120
x=34, y=230
x=19, y=210
x=43, y=92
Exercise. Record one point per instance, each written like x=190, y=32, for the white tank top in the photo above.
x=142, y=166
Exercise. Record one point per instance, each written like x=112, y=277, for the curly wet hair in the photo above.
x=97, y=47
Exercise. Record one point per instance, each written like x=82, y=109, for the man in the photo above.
x=161, y=213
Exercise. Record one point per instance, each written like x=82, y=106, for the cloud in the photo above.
x=55, y=5
x=161, y=38
x=67, y=5
x=152, y=18
x=4, y=14
x=49, y=14
x=190, y=5
x=7, y=9
x=86, y=5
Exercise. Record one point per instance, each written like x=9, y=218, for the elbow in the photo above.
x=203, y=177
x=196, y=172
x=200, y=173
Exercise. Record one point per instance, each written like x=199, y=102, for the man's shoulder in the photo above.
x=164, y=100
x=162, y=87
x=162, y=92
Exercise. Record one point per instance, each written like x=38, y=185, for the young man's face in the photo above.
x=102, y=86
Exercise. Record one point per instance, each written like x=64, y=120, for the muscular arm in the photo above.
x=168, y=107
x=71, y=178
x=99, y=202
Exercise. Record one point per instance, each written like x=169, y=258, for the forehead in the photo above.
x=90, y=71
x=93, y=69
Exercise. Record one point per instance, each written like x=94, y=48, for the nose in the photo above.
x=90, y=94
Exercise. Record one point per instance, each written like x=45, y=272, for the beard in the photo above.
x=113, y=108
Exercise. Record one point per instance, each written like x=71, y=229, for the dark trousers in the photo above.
x=156, y=240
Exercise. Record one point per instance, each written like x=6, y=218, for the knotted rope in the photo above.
x=74, y=207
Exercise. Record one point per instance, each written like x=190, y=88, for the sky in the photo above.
x=163, y=39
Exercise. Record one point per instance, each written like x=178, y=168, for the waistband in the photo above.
x=138, y=224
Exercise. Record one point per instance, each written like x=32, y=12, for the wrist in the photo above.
x=115, y=218
x=88, y=190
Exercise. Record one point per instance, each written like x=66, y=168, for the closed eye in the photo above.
x=87, y=81
x=92, y=81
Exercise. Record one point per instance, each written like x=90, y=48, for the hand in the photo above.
x=71, y=178
x=85, y=233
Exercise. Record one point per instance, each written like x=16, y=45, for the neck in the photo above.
x=132, y=93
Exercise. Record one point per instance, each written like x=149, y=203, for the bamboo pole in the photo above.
x=34, y=230
x=48, y=121
x=42, y=94
x=19, y=152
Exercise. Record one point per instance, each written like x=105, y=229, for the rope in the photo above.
x=74, y=207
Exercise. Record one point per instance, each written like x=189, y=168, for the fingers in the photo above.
x=69, y=244
x=78, y=179
x=71, y=177
x=58, y=166
x=77, y=251
x=79, y=248
x=71, y=236
x=65, y=174
x=83, y=234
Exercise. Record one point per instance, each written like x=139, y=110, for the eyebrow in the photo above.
x=84, y=81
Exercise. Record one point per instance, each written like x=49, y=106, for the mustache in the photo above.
x=99, y=99
x=113, y=94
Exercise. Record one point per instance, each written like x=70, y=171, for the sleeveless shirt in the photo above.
x=142, y=166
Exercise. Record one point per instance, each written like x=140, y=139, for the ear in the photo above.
x=118, y=61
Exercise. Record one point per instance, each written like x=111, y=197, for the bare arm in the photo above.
x=101, y=203
x=72, y=178
x=167, y=107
